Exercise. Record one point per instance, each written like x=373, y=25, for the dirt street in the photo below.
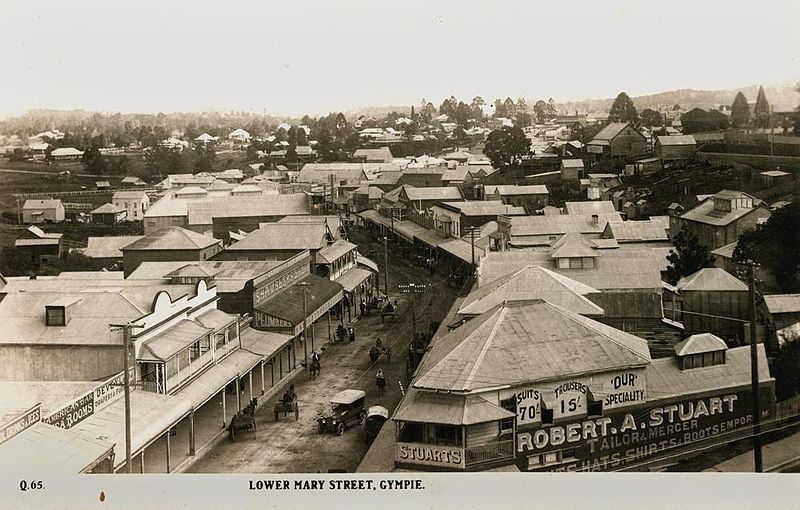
x=290, y=446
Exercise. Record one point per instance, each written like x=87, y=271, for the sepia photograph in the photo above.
x=399, y=254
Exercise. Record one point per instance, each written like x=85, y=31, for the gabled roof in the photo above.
x=173, y=340
x=283, y=236
x=697, y=344
x=532, y=282
x=48, y=203
x=640, y=230
x=335, y=251
x=573, y=245
x=590, y=207
x=427, y=407
x=610, y=131
x=66, y=151
x=705, y=212
x=676, y=140
x=572, y=163
x=172, y=238
x=433, y=193
x=108, y=247
x=526, y=342
x=783, y=303
x=511, y=189
x=482, y=208
x=128, y=195
x=108, y=209
x=711, y=279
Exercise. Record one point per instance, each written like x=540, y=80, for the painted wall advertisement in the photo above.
x=629, y=439
x=571, y=398
x=430, y=455
x=89, y=403
x=22, y=422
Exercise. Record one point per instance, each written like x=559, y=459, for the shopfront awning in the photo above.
x=286, y=307
x=238, y=363
x=172, y=341
x=353, y=277
x=152, y=415
x=368, y=263
x=45, y=449
x=446, y=409
x=264, y=343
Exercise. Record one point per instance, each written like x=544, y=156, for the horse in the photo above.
x=315, y=368
x=242, y=421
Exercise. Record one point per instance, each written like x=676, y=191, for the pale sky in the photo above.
x=296, y=57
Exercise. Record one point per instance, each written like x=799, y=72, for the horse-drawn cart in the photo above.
x=287, y=408
x=244, y=420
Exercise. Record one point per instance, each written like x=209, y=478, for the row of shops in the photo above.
x=451, y=255
x=194, y=368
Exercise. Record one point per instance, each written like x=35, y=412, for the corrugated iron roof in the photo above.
x=283, y=236
x=676, y=140
x=107, y=209
x=610, y=131
x=426, y=407
x=573, y=245
x=665, y=379
x=45, y=449
x=524, y=342
x=639, y=230
x=783, y=303
x=532, y=282
x=590, y=207
x=711, y=279
x=172, y=238
x=108, y=247
x=700, y=343
x=335, y=251
x=173, y=340
x=288, y=303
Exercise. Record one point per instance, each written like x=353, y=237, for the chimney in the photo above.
x=595, y=220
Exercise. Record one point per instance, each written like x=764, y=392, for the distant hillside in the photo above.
x=377, y=111
x=782, y=98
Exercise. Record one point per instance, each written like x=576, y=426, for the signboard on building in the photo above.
x=111, y=390
x=594, y=149
x=634, y=437
x=14, y=427
x=74, y=412
x=430, y=455
x=270, y=283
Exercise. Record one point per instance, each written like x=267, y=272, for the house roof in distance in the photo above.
x=47, y=203
x=107, y=209
x=283, y=236
x=526, y=342
x=573, y=245
x=610, y=131
x=172, y=238
x=128, y=195
x=572, y=163
x=783, y=303
x=108, y=247
x=677, y=140
x=711, y=279
x=590, y=207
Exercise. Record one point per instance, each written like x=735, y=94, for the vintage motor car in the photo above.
x=376, y=417
x=347, y=408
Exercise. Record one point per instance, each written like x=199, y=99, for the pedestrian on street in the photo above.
x=352, y=335
x=362, y=306
x=380, y=382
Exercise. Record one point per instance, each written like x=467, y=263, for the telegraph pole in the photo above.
x=413, y=289
x=386, y=266
x=126, y=342
x=771, y=134
x=304, y=286
x=471, y=231
x=754, y=372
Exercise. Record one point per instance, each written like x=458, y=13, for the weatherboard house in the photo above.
x=532, y=386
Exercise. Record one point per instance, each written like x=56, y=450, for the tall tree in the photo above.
x=697, y=120
x=740, y=111
x=652, y=118
x=761, y=109
x=510, y=108
x=506, y=146
x=623, y=110
x=688, y=257
x=552, y=110
x=94, y=162
x=540, y=111
x=775, y=246
x=476, y=106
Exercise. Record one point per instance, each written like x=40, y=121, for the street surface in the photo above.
x=290, y=446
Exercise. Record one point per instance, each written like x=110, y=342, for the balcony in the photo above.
x=454, y=458
x=489, y=453
x=195, y=367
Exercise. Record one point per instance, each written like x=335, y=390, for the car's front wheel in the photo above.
x=340, y=428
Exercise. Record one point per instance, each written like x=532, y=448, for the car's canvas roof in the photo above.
x=347, y=396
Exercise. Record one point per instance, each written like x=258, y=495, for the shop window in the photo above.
x=507, y=425
x=550, y=458
x=446, y=435
x=194, y=351
x=535, y=461
x=56, y=316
